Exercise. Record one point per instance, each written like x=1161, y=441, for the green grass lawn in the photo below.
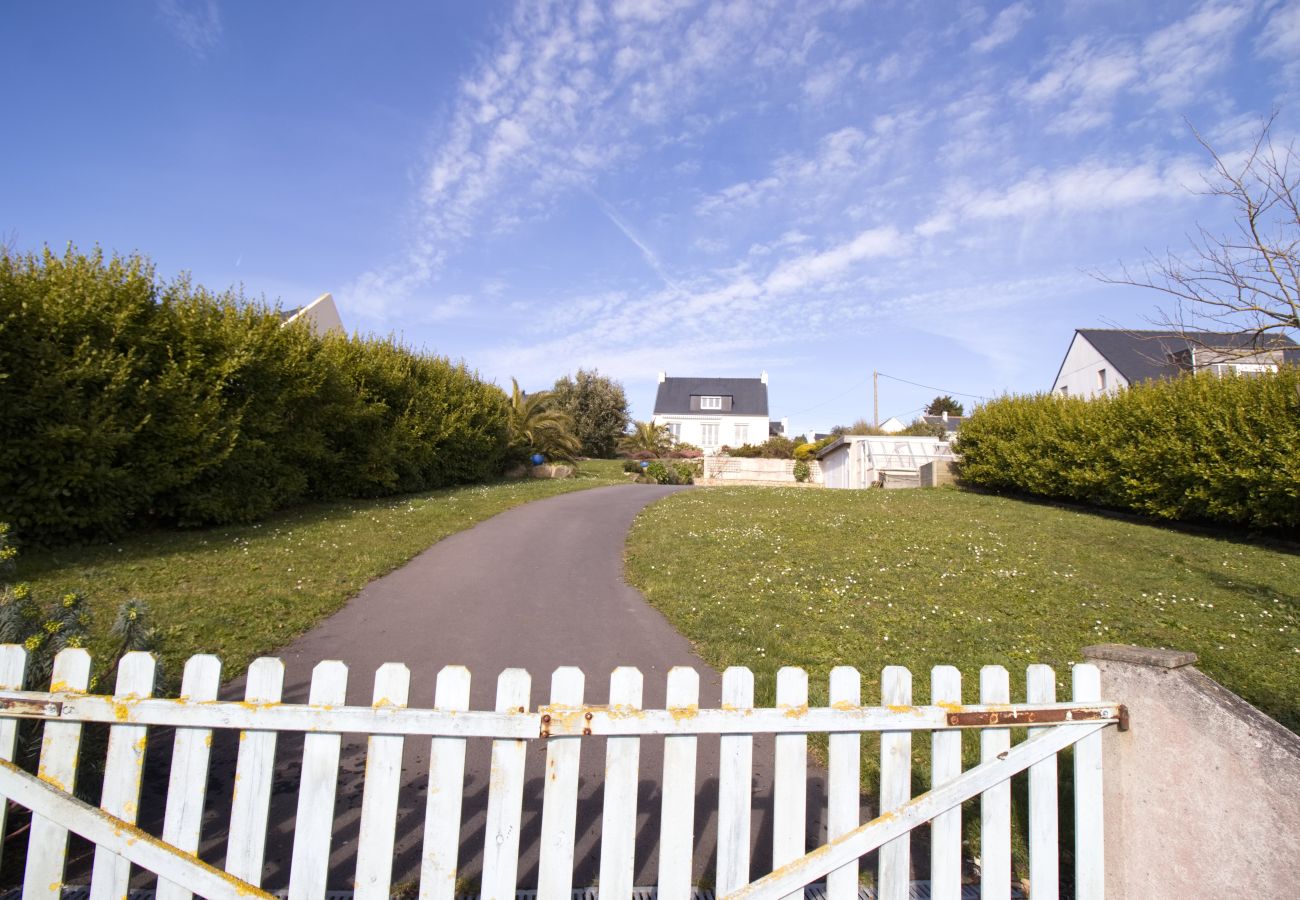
x=770, y=577
x=246, y=591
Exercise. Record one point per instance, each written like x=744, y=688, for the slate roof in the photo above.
x=749, y=396
x=1146, y=355
x=952, y=423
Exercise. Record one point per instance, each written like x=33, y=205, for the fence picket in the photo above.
x=560, y=797
x=894, y=860
x=13, y=667
x=1089, y=834
x=677, y=816
x=995, y=803
x=320, y=772
x=123, y=768
x=506, y=794
x=945, y=765
x=377, y=834
x=47, y=845
x=622, y=757
x=188, y=782
x=565, y=722
x=790, y=775
x=735, y=774
x=254, y=771
x=845, y=781
x=446, y=785
x=1044, y=841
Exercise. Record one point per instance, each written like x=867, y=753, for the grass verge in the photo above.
x=765, y=578
x=246, y=591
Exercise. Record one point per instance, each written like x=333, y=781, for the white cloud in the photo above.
x=195, y=23
x=842, y=157
x=1280, y=36
x=1087, y=187
x=1005, y=27
x=1174, y=64
x=812, y=269
x=1180, y=59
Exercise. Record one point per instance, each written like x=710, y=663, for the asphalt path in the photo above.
x=537, y=587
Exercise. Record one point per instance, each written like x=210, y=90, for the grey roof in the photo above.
x=952, y=423
x=1147, y=355
x=287, y=314
x=838, y=444
x=748, y=396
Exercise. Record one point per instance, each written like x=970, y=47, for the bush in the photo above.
x=1198, y=447
x=130, y=403
x=802, y=471
x=660, y=472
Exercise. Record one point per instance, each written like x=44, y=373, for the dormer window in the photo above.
x=710, y=403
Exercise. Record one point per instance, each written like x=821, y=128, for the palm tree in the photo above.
x=536, y=426
x=647, y=436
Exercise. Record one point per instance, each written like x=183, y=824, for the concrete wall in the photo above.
x=941, y=471
x=1202, y=793
x=761, y=471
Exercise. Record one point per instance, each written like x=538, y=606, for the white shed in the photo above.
x=861, y=460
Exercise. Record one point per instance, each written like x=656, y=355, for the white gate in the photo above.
x=563, y=725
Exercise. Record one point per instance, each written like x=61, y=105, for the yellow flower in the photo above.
x=33, y=642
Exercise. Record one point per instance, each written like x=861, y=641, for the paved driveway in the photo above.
x=537, y=587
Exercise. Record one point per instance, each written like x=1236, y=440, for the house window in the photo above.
x=1101, y=379
x=675, y=429
x=1242, y=368
x=709, y=434
x=710, y=403
x=742, y=434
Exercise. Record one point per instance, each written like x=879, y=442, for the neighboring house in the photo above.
x=321, y=314
x=892, y=425
x=949, y=424
x=714, y=412
x=865, y=460
x=1101, y=361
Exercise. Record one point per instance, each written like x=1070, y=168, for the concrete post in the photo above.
x=1202, y=794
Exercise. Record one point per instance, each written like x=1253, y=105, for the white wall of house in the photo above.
x=321, y=314
x=709, y=433
x=1086, y=373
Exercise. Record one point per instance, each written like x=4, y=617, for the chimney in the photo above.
x=763, y=377
x=785, y=426
x=945, y=417
x=662, y=377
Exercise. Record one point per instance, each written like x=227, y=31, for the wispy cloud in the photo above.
x=1006, y=25
x=195, y=23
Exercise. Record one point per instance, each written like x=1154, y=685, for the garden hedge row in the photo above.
x=128, y=403
x=1198, y=447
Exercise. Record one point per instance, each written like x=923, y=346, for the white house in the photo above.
x=321, y=314
x=864, y=460
x=713, y=412
x=1101, y=361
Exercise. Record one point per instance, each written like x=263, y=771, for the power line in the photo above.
x=930, y=387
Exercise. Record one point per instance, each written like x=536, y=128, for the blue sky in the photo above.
x=818, y=190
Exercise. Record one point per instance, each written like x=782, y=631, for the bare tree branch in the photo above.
x=1246, y=283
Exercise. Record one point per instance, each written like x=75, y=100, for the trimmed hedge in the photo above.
x=128, y=403
x=1198, y=447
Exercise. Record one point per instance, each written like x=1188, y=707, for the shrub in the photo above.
x=1198, y=447
x=128, y=402
x=802, y=471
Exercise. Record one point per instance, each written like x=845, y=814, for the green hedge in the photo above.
x=128, y=403
x=1199, y=447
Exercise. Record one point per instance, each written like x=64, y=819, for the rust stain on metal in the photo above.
x=22, y=707
x=1012, y=716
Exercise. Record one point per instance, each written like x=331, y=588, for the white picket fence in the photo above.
x=563, y=724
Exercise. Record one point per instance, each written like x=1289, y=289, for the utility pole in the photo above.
x=875, y=398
